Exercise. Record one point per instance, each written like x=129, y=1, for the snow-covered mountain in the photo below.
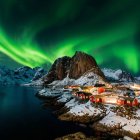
x=39, y=72
x=118, y=75
x=137, y=78
x=91, y=78
x=74, y=66
x=21, y=75
x=25, y=75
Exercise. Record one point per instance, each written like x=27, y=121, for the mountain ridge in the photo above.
x=74, y=67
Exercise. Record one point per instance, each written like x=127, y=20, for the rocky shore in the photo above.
x=107, y=119
x=115, y=130
x=85, y=119
x=77, y=136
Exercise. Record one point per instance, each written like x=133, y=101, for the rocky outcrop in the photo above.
x=85, y=119
x=74, y=67
x=76, y=136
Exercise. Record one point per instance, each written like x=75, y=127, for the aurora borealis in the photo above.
x=36, y=32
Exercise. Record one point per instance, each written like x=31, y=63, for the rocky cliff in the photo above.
x=58, y=71
x=81, y=63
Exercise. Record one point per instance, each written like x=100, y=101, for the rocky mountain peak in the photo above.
x=74, y=67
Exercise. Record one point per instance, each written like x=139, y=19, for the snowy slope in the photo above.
x=87, y=79
x=112, y=119
x=64, y=82
x=83, y=109
x=137, y=79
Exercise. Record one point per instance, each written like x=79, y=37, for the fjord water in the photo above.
x=21, y=116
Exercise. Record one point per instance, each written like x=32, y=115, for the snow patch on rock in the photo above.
x=112, y=119
x=66, y=96
x=71, y=103
x=84, y=109
x=47, y=92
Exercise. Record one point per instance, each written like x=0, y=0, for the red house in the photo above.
x=135, y=102
x=83, y=95
x=95, y=100
x=92, y=99
x=121, y=101
x=98, y=100
x=128, y=101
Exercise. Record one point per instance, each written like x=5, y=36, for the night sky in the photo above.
x=36, y=32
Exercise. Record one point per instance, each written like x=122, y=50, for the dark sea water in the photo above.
x=22, y=117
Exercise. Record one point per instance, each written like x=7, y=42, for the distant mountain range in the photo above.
x=21, y=75
x=118, y=75
x=79, y=69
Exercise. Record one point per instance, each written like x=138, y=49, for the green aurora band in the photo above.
x=109, y=32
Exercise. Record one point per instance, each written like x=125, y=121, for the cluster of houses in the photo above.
x=102, y=94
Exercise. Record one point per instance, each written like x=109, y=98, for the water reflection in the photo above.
x=21, y=116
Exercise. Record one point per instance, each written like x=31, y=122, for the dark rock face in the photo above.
x=59, y=70
x=75, y=67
